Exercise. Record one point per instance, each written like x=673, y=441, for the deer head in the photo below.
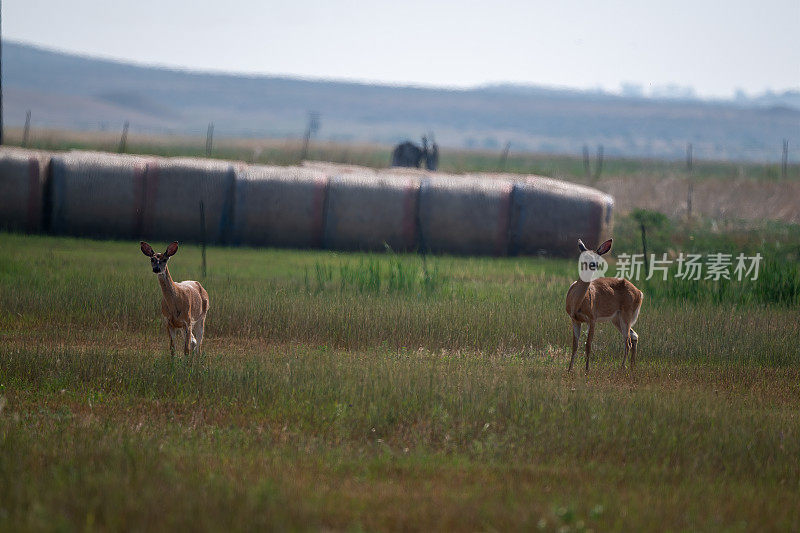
x=159, y=261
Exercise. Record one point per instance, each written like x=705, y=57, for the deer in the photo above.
x=184, y=305
x=614, y=300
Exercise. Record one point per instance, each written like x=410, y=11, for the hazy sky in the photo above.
x=713, y=46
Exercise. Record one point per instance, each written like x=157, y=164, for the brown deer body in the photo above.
x=184, y=305
x=614, y=300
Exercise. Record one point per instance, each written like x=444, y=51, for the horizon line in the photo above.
x=488, y=85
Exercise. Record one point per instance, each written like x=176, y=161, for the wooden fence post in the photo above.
x=123, y=140
x=209, y=138
x=26, y=132
x=785, y=159
x=504, y=157
x=586, y=163
x=690, y=180
x=599, y=169
x=311, y=128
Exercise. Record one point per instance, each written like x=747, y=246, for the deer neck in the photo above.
x=581, y=288
x=167, y=285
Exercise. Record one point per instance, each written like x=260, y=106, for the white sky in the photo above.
x=714, y=46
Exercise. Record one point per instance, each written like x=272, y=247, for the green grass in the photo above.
x=366, y=391
x=778, y=244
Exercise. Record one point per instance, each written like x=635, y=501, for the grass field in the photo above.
x=371, y=392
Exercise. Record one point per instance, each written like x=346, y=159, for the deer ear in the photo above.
x=604, y=248
x=146, y=249
x=581, y=246
x=171, y=249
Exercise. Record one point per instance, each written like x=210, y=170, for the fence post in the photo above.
x=123, y=140
x=785, y=159
x=586, y=164
x=504, y=157
x=209, y=138
x=27, y=129
x=311, y=128
x=690, y=180
x=599, y=168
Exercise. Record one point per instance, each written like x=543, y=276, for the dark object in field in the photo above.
x=408, y=154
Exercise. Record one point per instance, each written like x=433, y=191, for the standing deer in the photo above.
x=183, y=305
x=604, y=299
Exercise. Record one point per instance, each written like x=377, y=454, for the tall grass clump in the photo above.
x=778, y=245
x=377, y=275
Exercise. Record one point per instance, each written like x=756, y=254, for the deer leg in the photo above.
x=626, y=338
x=198, y=333
x=623, y=329
x=589, y=337
x=190, y=341
x=576, y=335
x=634, y=343
x=173, y=333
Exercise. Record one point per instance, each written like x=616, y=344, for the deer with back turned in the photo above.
x=614, y=300
x=184, y=305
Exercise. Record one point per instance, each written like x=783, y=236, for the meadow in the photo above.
x=352, y=391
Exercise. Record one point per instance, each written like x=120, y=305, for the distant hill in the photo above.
x=74, y=92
